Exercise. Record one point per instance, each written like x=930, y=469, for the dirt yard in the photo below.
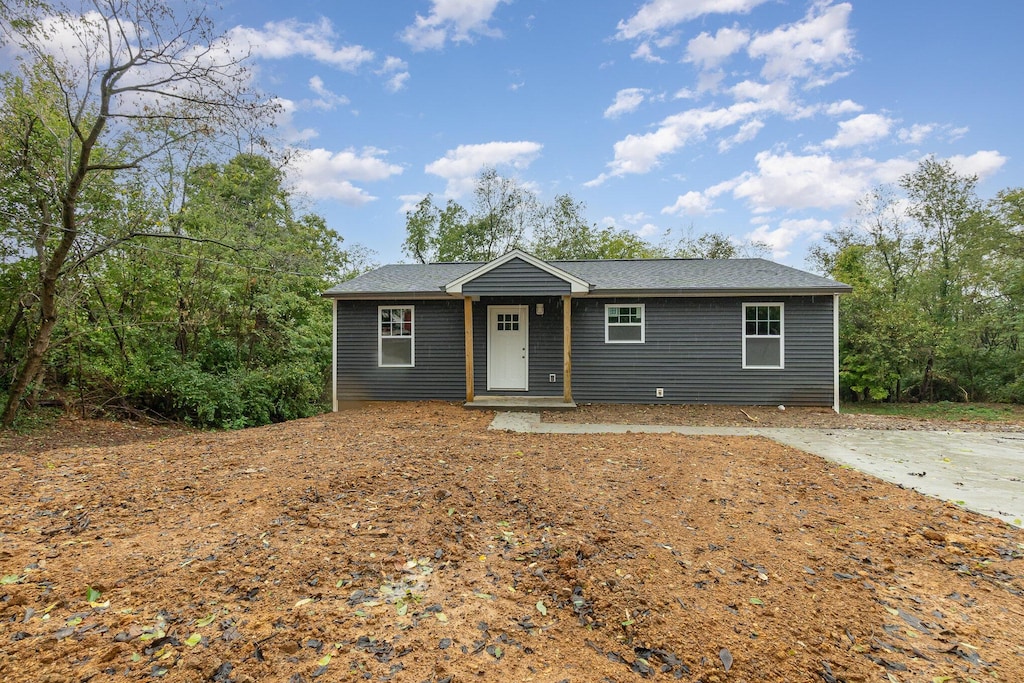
x=406, y=542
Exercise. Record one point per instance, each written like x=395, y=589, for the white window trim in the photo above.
x=411, y=338
x=642, y=326
x=781, y=336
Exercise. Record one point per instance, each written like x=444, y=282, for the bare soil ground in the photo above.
x=406, y=542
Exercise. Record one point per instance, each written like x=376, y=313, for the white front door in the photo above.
x=507, y=344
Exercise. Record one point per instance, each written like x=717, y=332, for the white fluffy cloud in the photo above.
x=284, y=120
x=982, y=164
x=707, y=51
x=805, y=53
x=779, y=239
x=291, y=38
x=648, y=230
x=326, y=100
x=808, y=49
x=395, y=72
x=322, y=174
x=642, y=153
x=455, y=20
x=916, y=134
x=860, y=130
x=843, y=108
x=626, y=100
x=816, y=181
x=408, y=202
x=644, y=52
x=461, y=165
x=690, y=204
x=747, y=132
x=657, y=15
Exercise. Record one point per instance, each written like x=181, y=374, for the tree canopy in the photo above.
x=507, y=215
x=936, y=306
x=101, y=101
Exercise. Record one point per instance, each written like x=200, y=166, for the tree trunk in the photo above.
x=7, y=343
x=34, y=358
x=927, y=384
x=49, y=274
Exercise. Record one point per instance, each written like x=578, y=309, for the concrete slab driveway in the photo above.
x=983, y=471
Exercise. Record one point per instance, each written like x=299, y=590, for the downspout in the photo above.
x=334, y=354
x=835, y=353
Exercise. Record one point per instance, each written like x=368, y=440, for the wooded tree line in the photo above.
x=506, y=215
x=144, y=267
x=937, y=309
x=152, y=261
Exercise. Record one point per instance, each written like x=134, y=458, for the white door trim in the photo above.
x=492, y=357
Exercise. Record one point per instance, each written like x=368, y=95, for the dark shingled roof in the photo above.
x=627, y=276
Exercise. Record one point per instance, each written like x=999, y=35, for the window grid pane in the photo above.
x=763, y=321
x=396, y=322
x=763, y=336
x=624, y=323
x=396, y=337
x=507, y=322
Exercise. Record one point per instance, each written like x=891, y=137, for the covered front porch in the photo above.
x=518, y=331
x=518, y=351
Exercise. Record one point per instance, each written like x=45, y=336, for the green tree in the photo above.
x=945, y=205
x=138, y=77
x=936, y=290
x=503, y=212
x=223, y=326
x=563, y=233
x=716, y=245
x=421, y=231
x=960, y=237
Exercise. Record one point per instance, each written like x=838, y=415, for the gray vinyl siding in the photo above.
x=440, y=364
x=693, y=350
x=545, y=349
x=519, y=277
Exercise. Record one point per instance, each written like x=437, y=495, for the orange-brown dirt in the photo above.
x=406, y=542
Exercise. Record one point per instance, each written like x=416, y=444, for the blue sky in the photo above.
x=762, y=119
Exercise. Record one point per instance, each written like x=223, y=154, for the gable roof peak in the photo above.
x=576, y=284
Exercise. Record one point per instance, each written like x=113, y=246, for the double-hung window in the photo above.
x=395, y=347
x=763, y=339
x=624, y=324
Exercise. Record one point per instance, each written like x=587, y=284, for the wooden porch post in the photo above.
x=468, y=323
x=567, y=349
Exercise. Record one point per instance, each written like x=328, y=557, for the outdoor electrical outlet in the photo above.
x=659, y=393
x=551, y=377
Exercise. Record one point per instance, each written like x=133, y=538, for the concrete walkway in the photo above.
x=983, y=471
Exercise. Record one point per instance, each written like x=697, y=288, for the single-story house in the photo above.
x=738, y=331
